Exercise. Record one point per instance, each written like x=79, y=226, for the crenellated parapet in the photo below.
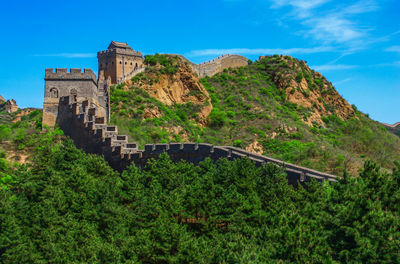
x=73, y=74
x=90, y=132
x=115, y=51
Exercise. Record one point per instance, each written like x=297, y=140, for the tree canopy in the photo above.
x=70, y=207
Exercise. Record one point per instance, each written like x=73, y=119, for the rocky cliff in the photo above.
x=309, y=89
x=170, y=80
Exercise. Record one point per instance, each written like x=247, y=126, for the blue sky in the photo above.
x=355, y=44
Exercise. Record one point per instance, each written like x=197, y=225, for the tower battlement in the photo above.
x=113, y=52
x=72, y=74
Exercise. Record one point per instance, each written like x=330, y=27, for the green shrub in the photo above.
x=217, y=117
x=237, y=143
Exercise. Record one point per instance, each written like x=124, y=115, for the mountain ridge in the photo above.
x=276, y=106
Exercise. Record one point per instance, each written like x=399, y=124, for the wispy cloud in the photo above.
x=342, y=81
x=333, y=67
x=216, y=52
x=393, y=49
x=338, y=67
x=389, y=64
x=333, y=23
x=68, y=55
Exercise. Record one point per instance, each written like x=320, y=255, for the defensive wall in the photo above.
x=212, y=67
x=76, y=83
x=90, y=132
x=392, y=126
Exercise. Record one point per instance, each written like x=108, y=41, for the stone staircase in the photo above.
x=90, y=132
x=130, y=75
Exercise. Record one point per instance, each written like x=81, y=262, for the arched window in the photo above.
x=53, y=93
x=126, y=63
x=120, y=62
x=74, y=94
x=136, y=66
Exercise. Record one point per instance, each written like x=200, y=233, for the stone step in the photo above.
x=100, y=120
x=92, y=111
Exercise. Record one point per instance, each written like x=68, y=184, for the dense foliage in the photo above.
x=19, y=137
x=69, y=207
x=250, y=109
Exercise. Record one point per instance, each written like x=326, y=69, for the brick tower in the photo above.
x=119, y=61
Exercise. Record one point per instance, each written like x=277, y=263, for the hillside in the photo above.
x=276, y=106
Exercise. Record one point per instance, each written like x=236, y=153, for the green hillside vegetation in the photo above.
x=19, y=140
x=250, y=106
x=70, y=207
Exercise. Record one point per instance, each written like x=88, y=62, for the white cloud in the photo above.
x=68, y=55
x=342, y=81
x=389, y=64
x=393, y=49
x=301, y=8
x=216, y=52
x=333, y=67
x=330, y=24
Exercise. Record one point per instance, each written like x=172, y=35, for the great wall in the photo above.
x=79, y=105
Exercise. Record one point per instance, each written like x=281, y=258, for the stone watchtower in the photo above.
x=119, y=61
x=80, y=85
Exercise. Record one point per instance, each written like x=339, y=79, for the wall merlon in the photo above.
x=204, y=147
x=61, y=70
x=100, y=121
x=149, y=147
x=161, y=147
x=131, y=145
x=189, y=147
x=220, y=152
x=175, y=146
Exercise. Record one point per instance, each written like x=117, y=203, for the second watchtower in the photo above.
x=119, y=61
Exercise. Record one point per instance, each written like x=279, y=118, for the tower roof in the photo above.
x=121, y=45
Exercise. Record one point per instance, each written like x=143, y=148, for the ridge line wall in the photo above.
x=91, y=133
x=214, y=66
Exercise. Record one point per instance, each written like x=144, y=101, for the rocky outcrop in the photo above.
x=177, y=88
x=310, y=89
x=10, y=106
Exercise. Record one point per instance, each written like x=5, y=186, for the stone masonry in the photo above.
x=212, y=67
x=91, y=133
x=81, y=85
x=119, y=61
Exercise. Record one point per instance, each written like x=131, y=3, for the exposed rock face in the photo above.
x=10, y=106
x=181, y=87
x=310, y=89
